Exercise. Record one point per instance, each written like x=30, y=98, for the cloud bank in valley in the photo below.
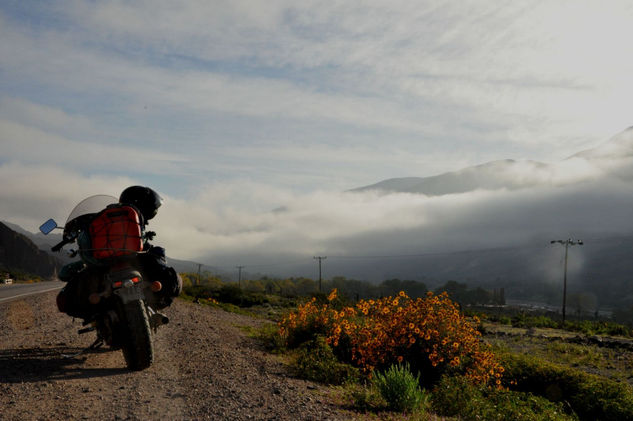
x=574, y=197
x=252, y=121
x=589, y=194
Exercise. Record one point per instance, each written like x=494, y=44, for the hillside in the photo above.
x=613, y=157
x=18, y=253
x=45, y=242
x=489, y=176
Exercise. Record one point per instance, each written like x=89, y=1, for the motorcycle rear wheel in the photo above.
x=137, y=344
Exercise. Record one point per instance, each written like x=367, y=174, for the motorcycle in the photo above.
x=111, y=288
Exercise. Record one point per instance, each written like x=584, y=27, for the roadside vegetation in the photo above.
x=18, y=276
x=424, y=356
x=584, y=326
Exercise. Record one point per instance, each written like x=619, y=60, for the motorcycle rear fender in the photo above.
x=128, y=285
x=130, y=294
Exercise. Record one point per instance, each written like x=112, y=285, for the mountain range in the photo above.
x=18, y=254
x=515, y=208
x=613, y=157
x=45, y=242
x=524, y=205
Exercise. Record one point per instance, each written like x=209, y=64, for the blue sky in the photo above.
x=233, y=108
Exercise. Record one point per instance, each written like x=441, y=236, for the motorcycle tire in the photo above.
x=136, y=345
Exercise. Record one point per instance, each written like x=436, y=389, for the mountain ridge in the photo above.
x=45, y=242
x=511, y=174
x=19, y=253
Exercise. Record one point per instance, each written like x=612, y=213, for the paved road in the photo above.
x=10, y=292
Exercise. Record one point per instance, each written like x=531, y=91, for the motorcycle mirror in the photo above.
x=48, y=226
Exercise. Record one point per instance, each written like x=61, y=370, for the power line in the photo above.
x=505, y=249
x=271, y=264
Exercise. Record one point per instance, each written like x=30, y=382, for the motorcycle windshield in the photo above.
x=91, y=205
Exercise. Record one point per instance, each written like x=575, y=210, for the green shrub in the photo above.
x=269, y=335
x=591, y=397
x=316, y=361
x=457, y=397
x=598, y=327
x=233, y=294
x=198, y=291
x=588, y=327
x=363, y=397
x=522, y=320
x=400, y=388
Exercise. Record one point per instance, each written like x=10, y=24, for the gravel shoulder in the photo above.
x=206, y=368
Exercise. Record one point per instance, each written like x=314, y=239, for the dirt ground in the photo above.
x=205, y=368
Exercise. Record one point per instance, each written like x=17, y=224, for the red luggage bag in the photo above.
x=116, y=232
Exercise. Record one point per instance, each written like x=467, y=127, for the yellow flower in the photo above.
x=332, y=295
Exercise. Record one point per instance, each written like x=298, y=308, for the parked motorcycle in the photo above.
x=119, y=283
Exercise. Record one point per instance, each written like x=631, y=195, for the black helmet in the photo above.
x=146, y=200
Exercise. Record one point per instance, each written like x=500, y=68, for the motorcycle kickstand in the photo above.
x=98, y=343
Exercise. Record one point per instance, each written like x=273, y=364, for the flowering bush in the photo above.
x=430, y=334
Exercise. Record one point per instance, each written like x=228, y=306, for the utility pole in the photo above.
x=198, y=280
x=567, y=243
x=320, y=258
x=239, y=276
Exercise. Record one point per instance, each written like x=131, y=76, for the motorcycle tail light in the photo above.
x=127, y=283
x=156, y=286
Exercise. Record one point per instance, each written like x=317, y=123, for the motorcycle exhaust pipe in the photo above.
x=157, y=319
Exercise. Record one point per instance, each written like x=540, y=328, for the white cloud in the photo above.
x=32, y=145
x=428, y=69
x=280, y=103
x=238, y=220
x=33, y=193
x=18, y=110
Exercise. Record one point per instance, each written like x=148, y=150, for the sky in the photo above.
x=232, y=109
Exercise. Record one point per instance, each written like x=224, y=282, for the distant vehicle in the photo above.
x=6, y=281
